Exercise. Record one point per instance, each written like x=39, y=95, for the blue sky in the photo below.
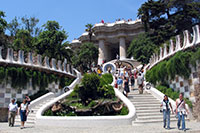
x=72, y=15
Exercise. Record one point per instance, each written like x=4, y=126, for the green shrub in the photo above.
x=108, y=78
x=188, y=102
x=124, y=111
x=107, y=91
x=88, y=88
x=48, y=113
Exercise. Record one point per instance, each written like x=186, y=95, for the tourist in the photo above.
x=99, y=71
x=166, y=111
x=28, y=100
x=140, y=81
x=132, y=81
x=23, y=112
x=126, y=87
x=13, y=109
x=116, y=85
x=181, y=112
x=119, y=83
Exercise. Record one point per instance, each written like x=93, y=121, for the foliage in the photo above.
x=30, y=25
x=19, y=77
x=23, y=40
x=108, y=78
x=176, y=65
x=89, y=30
x=141, y=48
x=106, y=91
x=88, y=88
x=13, y=26
x=124, y=111
x=50, y=42
x=172, y=94
x=84, y=57
x=163, y=19
x=3, y=22
x=92, y=88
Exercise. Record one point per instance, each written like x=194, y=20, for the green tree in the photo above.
x=84, y=57
x=30, y=25
x=13, y=26
x=24, y=41
x=166, y=18
x=3, y=24
x=89, y=30
x=141, y=48
x=51, y=42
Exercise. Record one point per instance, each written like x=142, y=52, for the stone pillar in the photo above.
x=122, y=48
x=102, y=51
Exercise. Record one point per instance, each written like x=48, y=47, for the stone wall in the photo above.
x=186, y=86
x=3, y=114
x=190, y=87
x=7, y=92
x=196, y=108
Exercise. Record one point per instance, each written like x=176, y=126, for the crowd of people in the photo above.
x=22, y=110
x=126, y=77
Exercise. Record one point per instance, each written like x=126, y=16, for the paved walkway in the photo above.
x=193, y=127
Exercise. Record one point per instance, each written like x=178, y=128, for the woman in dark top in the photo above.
x=126, y=86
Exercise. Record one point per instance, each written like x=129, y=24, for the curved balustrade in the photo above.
x=59, y=67
x=177, y=46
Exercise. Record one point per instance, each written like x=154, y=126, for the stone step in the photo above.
x=149, y=114
x=153, y=117
x=144, y=102
x=147, y=105
x=148, y=111
x=139, y=95
x=142, y=98
x=136, y=96
x=148, y=108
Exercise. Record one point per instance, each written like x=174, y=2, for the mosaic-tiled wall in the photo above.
x=186, y=86
x=7, y=92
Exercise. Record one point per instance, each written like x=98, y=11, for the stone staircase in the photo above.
x=32, y=115
x=147, y=108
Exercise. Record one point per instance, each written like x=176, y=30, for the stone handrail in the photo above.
x=178, y=46
x=85, y=121
x=37, y=62
x=159, y=95
x=41, y=99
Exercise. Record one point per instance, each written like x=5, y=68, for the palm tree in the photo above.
x=89, y=30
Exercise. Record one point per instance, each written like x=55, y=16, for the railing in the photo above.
x=37, y=62
x=178, y=46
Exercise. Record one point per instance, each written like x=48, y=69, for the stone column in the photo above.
x=101, y=51
x=122, y=48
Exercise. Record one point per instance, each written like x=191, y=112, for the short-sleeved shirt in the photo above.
x=119, y=81
x=181, y=107
x=12, y=107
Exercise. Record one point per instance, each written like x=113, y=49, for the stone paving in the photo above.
x=192, y=127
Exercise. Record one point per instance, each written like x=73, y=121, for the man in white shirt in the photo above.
x=12, y=112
